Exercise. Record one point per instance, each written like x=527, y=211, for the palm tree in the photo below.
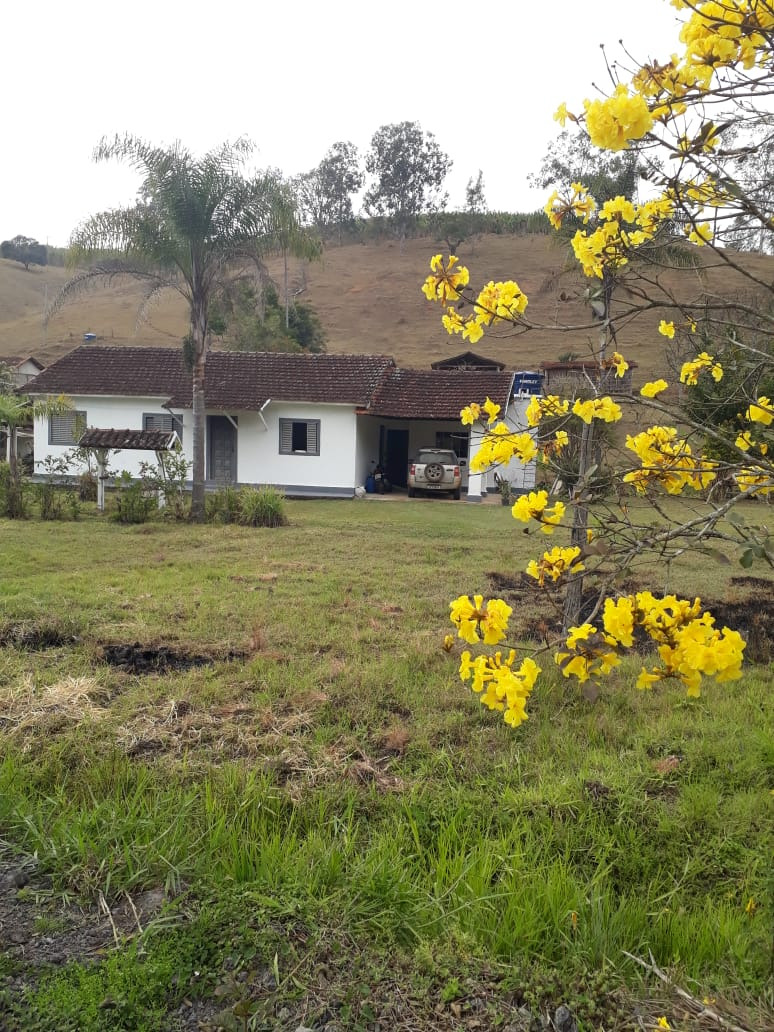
x=197, y=223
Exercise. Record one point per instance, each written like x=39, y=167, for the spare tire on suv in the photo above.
x=435, y=470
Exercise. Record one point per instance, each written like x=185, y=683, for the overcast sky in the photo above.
x=295, y=77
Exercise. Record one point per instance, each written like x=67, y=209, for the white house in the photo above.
x=314, y=425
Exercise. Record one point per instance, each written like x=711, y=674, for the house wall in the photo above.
x=332, y=472
x=367, y=448
x=111, y=414
x=522, y=477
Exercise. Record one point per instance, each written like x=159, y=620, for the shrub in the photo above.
x=55, y=496
x=13, y=494
x=169, y=480
x=135, y=499
x=87, y=486
x=262, y=507
x=223, y=506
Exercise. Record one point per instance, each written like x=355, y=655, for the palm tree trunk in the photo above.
x=198, y=404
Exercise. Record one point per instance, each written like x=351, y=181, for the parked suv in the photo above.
x=436, y=470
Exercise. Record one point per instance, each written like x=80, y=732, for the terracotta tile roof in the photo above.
x=437, y=394
x=14, y=361
x=128, y=440
x=114, y=371
x=467, y=360
x=239, y=381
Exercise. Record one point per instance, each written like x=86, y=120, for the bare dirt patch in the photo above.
x=161, y=659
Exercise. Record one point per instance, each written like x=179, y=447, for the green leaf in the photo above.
x=746, y=559
x=717, y=555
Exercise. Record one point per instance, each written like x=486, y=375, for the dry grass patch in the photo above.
x=29, y=708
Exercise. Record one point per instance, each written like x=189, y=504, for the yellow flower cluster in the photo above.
x=617, y=362
x=496, y=302
x=499, y=685
x=555, y=445
x=622, y=226
x=689, y=645
x=549, y=406
x=745, y=440
x=475, y=621
x=554, y=564
x=721, y=33
x=689, y=374
x=666, y=328
x=445, y=281
x=756, y=480
x=597, y=408
x=471, y=413
x=589, y=654
x=613, y=122
x=534, y=506
x=502, y=301
x=579, y=203
x=500, y=445
x=763, y=412
x=653, y=388
x=667, y=460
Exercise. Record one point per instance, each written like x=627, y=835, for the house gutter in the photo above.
x=260, y=414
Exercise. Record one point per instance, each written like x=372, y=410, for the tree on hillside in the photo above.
x=249, y=318
x=25, y=250
x=289, y=236
x=572, y=158
x=409, y=169
x=197, y=222
x=475, y=201
x=325, y=193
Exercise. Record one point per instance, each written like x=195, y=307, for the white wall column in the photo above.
x=476, y=481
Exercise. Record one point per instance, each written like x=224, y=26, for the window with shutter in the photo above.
x=163, y=421
x=299, y=436
x=66, y=428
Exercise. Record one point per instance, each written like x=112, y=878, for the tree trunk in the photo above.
x=14, y=505
x=571, y=616
x=287, y=293
x=199, y=334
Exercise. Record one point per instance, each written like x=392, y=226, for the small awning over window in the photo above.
x=129, y=440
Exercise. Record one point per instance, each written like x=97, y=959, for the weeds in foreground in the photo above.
x=335, y=800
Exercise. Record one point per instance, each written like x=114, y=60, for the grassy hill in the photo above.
x=368, y=297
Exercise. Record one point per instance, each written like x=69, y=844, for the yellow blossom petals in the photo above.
x=666, y=329
x=653, y=388
x=762, y=412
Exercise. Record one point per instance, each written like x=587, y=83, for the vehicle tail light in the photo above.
x=456, y=471
x=413, y=469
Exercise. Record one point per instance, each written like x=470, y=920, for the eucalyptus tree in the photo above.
x=197, y=223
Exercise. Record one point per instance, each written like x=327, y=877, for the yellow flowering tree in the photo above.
x=678, y=113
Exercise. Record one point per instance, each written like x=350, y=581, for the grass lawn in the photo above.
x=306, y=819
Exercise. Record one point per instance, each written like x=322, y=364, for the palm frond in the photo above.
x=103, y=273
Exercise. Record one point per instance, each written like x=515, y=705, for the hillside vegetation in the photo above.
x=368, y=297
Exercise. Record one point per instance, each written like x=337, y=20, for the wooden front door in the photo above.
x=221, y=450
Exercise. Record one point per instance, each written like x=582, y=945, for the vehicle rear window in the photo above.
x=447, y=457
